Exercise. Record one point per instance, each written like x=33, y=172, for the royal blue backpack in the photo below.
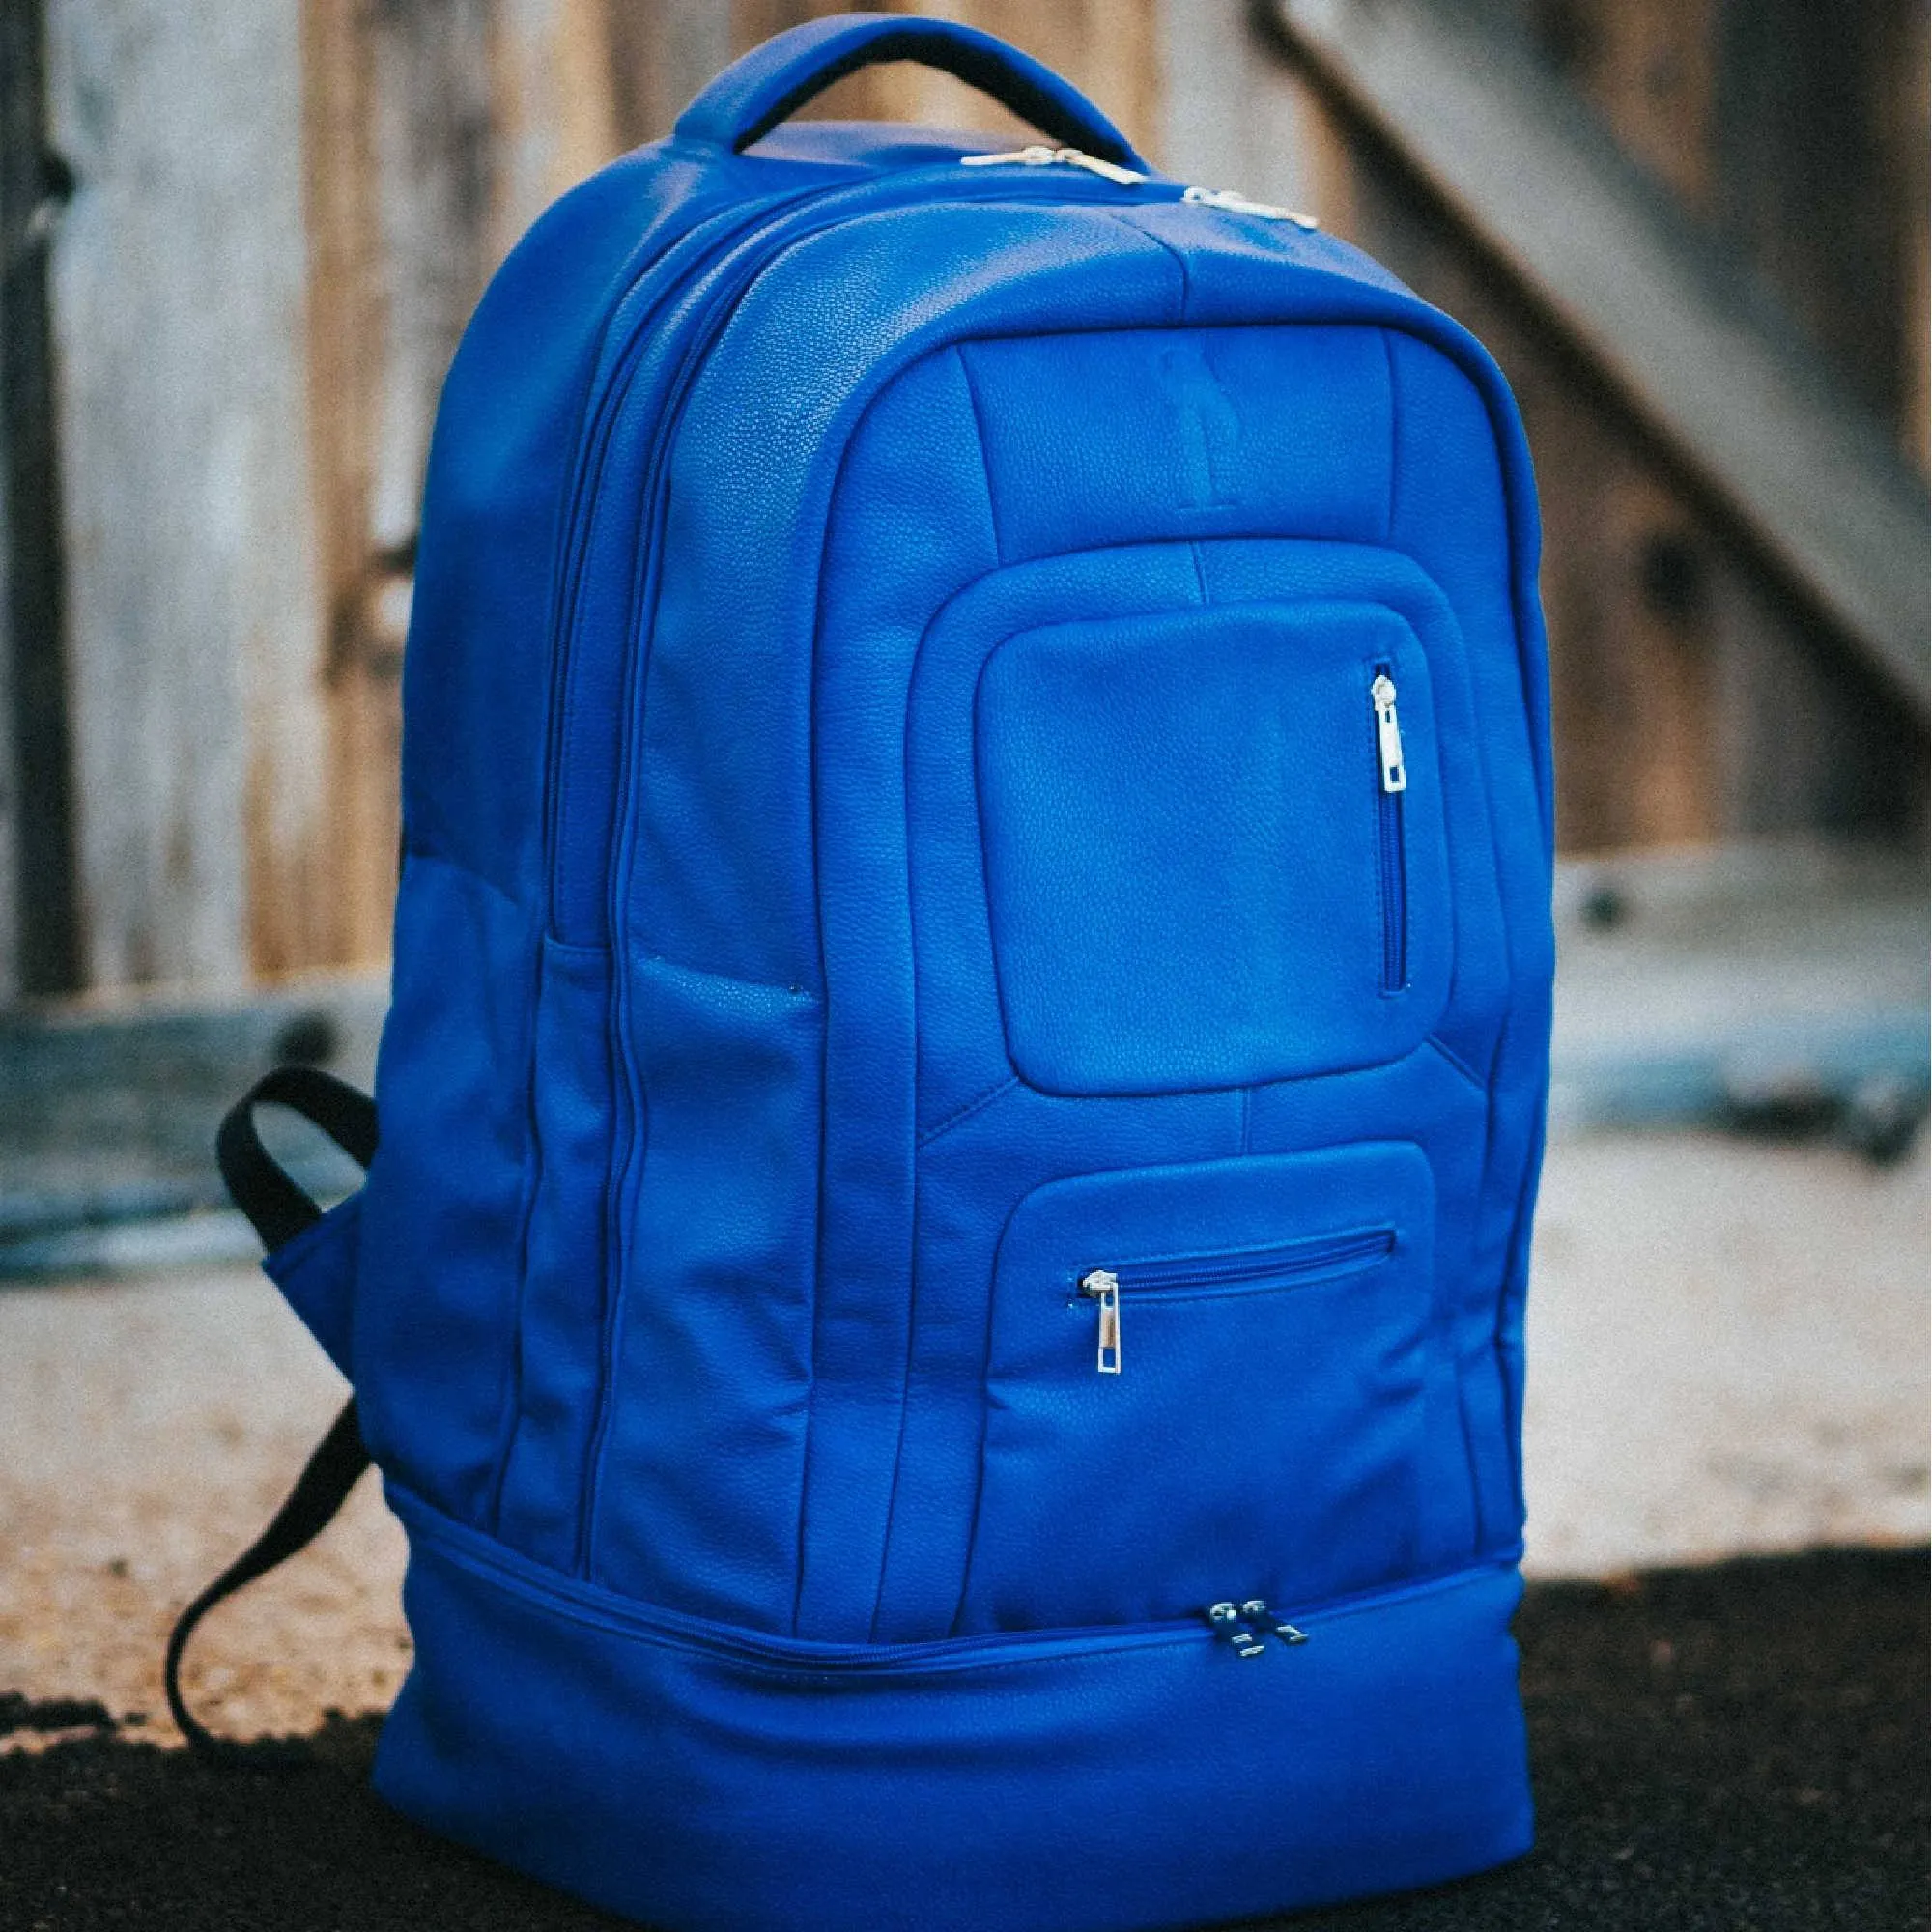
x=941, y=1293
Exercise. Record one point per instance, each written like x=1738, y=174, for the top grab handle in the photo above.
x=755, y=94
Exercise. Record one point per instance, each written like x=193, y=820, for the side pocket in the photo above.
x=695, y=1481
x=316, y=1273
x=444, y=1206
x=559, y=1335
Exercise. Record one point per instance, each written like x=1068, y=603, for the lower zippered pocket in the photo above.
x=1260, y=1326
x=1246, y=1271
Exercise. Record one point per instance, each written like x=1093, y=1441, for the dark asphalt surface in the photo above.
x=1742, y=1749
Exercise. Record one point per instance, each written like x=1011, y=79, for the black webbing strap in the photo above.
x=280, y=1210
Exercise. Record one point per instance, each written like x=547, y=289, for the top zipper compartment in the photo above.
x=1040, y=155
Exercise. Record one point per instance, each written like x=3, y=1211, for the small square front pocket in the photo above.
x=1215, y=846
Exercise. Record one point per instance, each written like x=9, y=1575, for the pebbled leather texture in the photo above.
x=894, y=822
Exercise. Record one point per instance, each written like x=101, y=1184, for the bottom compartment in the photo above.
x=1120, y=1778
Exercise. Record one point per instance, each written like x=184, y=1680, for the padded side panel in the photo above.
x=442, y=1212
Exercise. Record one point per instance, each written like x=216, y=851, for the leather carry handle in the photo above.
x=755, y=94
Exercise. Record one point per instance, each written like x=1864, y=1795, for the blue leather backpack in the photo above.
x=941, y=1290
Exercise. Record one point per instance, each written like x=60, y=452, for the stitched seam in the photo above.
x=959, y=1115
x=921, y=1141
x=1459, y=1066
x=1167, y=248
x=985, y=464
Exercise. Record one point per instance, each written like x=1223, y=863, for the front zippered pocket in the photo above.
x=1177, y=1278
x=1392, y=852
x=1271, y=1428
x=1112, y=755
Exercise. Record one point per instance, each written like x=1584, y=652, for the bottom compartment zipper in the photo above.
x=570, y=1597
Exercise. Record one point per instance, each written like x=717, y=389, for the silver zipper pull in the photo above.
x=1388, y=733
x=1239, y=204
x=1228, y=1624
x=1256, y=1611
x=1102, y=1287
x=1040, y=155
x=1111, y=171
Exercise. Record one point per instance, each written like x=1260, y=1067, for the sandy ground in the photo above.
x=1729, y=1353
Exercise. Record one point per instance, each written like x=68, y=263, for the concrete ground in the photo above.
x=1728, y=1344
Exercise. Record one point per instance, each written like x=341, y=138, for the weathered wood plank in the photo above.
x=660, y=53
x=19, y=165
x=1911, y=112
x=404, y=162
x=1226, y=120
x=1842, y=518
x=38, y=934
x=346, y=314
x=1694, y=696
x=179, y=302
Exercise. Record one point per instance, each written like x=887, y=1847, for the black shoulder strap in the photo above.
x=280, y=1210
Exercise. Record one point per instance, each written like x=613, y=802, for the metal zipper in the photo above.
x=1237, y=203
x=1039, y=155
x=1102, y=1286
x=1245, y=1271
x=554, y=1593
x=1238, y=1625
x=1392, y=782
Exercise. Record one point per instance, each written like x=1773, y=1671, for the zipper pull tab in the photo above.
x=1039, y=155
x=1111, y=171
x=1258, y=1613
x=1228, y=1624
x=1239, y=204
x=1102, y=1287
x=1036, y=155
x=1388, y=733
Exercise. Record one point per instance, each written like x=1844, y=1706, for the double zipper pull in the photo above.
x=1102, y=1287
x=1239, y=204
x=1040, y=155
x=1258, y=1613
x=1232, y=1628
x=1388, y=733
